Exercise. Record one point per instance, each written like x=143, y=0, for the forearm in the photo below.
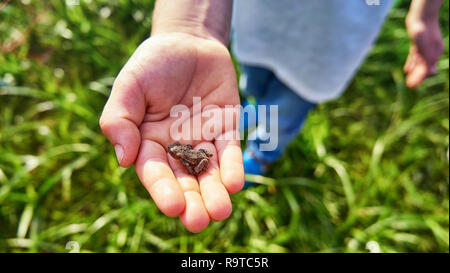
x=424, y=10
x=208, y=19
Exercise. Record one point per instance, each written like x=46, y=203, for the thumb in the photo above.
x=121, y=117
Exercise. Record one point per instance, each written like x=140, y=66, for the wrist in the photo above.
x=416, y=24
x=190, y=29
x=420, y=19
x=207, y=19
x=424, y=11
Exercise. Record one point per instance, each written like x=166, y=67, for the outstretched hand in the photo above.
x=168, y=70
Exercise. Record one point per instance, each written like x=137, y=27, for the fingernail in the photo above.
x=119, y=152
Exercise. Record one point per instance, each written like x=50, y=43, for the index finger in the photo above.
x=155, y=173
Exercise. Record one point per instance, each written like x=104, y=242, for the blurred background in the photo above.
x=369, y=173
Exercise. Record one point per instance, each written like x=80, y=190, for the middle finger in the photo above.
x=194, y=217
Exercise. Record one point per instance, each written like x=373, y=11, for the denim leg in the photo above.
x=292, y=112
x=253, y=84
x=254, y=80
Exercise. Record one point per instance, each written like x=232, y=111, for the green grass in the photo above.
x=370, y=169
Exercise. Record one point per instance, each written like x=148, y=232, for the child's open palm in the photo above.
x=168, y=70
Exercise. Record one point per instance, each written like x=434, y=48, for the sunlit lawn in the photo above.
x=370, y=171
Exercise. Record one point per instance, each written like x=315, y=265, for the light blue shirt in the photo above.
x=313, y=46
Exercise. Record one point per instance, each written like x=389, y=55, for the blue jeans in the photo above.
x=263, y=85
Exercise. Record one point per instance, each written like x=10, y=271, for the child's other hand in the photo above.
x=166, y=70
x=426, y=48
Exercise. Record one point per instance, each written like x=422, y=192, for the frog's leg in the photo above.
x=188, y=166
x=201, y=166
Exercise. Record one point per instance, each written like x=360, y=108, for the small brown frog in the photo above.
x=196, y=161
